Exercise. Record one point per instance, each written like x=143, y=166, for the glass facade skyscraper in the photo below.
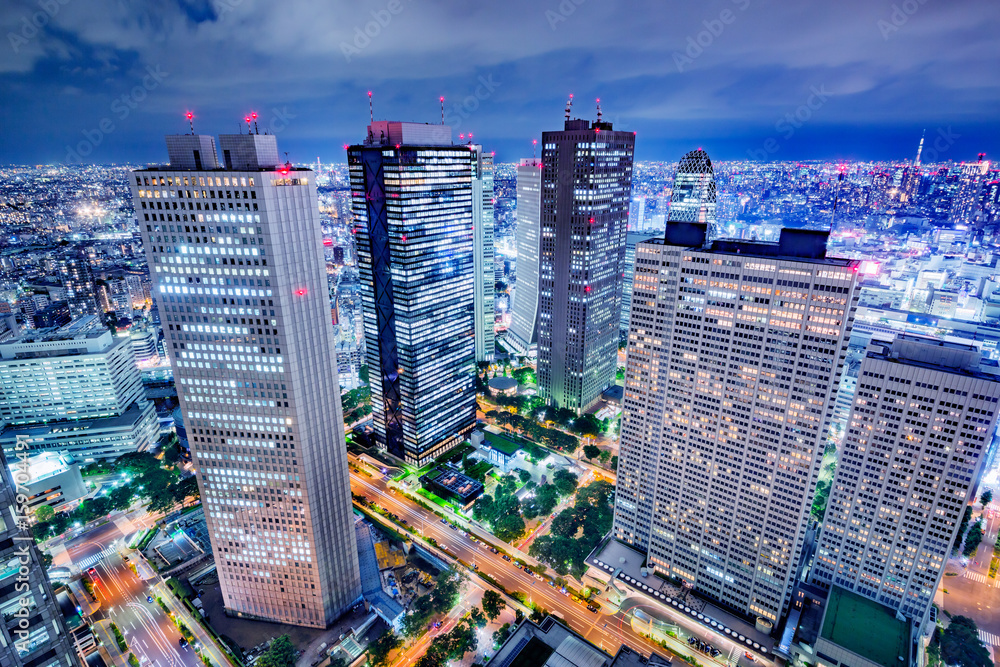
x=586, y=190
x=236, y=259
x=693, y=195
x=413, y=204
x=482, y=230
x=523, y=331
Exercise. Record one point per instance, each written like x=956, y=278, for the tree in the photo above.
x=591, y=451
x=121, y=497
x=524, y=476
x=493, y=604
x=960, y=644
x=564, y=481
x=614, y=463
x=44, y=513
x=281, y=653
x=381, y=647
x=961, y=528
x=605, y=456
x=986, y=498
x=973, y=539
x=509, y=528
x=186, y=488
x=477, y=617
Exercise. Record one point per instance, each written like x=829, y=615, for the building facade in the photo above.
x=586, y=189
x=924, y=415
x=628, y=274
x=734, y=356
x=74, y=388
x=35, y=633
x=484, y=256
x=523, y=332
x=413, y=200
x=240, y=282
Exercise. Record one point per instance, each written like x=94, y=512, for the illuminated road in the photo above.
x=608, y=632
x=149, y=631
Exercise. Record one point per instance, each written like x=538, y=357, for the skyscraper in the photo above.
x=240, y=282
x=924, y=414
x=482, y=231
x=413, y=203
x=523, y=331
x=586, y=189
x=78, y=280
x=734, y=355
x=34, y=632
x=693, y=196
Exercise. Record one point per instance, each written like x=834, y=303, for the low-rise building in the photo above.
x=54, y=479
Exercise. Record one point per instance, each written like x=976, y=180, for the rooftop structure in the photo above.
x=861, y=632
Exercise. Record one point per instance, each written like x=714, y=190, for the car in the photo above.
x=494, y=550
x=403, y=521
x=92, y=571
x=125, y=558
x=592, y=608
x=475, y=567
x=444, y=521
x=748, y=655
x=692, y=640
x=715, y=652
x=506, y=557
x=182, y=642
x=149, y=598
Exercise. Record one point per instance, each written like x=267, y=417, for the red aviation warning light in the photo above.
x=301, y=291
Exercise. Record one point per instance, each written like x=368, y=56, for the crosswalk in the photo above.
x=975, y=576
x=96, y=558
x=989, y=638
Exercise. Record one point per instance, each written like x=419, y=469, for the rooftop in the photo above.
x=865, y=627
x=503, y=383
x=500, y=441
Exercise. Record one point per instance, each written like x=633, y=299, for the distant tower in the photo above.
x=523, y=331
x=693, y=195
x=920, y=149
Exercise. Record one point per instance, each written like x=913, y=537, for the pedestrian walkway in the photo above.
x=989, y=638
x=96, y=558
x=975, y=576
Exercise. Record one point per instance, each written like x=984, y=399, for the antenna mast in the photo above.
x=442, y=109
x=190, y=122
x=599, y=110
x=371, y=110
x=569, y=105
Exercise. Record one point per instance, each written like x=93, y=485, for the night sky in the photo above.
x=103, y=80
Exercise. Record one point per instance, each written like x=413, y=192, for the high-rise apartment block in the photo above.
x=924, y=415
x=74, y=388
x=33, y=633
x=236, y=261
x=632, y=239
x=586, y=189
x=734, y=355
x=78, y=281
x=413, y=201
x=484, y=256
x=522, y=334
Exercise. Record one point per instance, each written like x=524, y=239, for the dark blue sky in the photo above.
x=778, y=80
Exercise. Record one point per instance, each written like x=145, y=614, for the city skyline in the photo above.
x=784, y=75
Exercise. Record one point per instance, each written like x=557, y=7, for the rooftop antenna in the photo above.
x=254, y=116
x=599, y=110
x=569, y=105
x=534, y=143
x=247, y=119
x=442, y=109
x=371, y=110
x=190, y=121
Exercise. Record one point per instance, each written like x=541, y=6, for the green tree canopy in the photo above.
x=493, y=604
x=281, y=653
x=960, y=644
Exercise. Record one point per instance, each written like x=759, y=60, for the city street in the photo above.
x=149, y=631
x=608, y=632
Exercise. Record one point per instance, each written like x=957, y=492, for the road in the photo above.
x=608, y=632
x=149, y=631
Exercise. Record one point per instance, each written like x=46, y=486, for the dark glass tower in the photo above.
x=586, y=189
x=413, y=205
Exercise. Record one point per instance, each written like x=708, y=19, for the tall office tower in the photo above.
x=734, y=356
x=78, y=280
x=482, y=239
x=692, y=198
x=632, y=239
x=74, y=388
x=523, y=332
x=636, y=215
x=240, y=282
x=920, y=149
x=586, y=189
x=923, y=417
x=34, y=632
x=967, y=201
x=413, y=205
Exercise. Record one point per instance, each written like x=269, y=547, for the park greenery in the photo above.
x=986, y=498
x=973, y=539
x=531, y=429
x=148, y=479
x=451, y=646
x=381, y=647
x=493, y=604
x=501, y=511
x=281, y=653
x=966, y=517
x=356, y=403
x=576, y=531
x=960, y=644
x=440, y=600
